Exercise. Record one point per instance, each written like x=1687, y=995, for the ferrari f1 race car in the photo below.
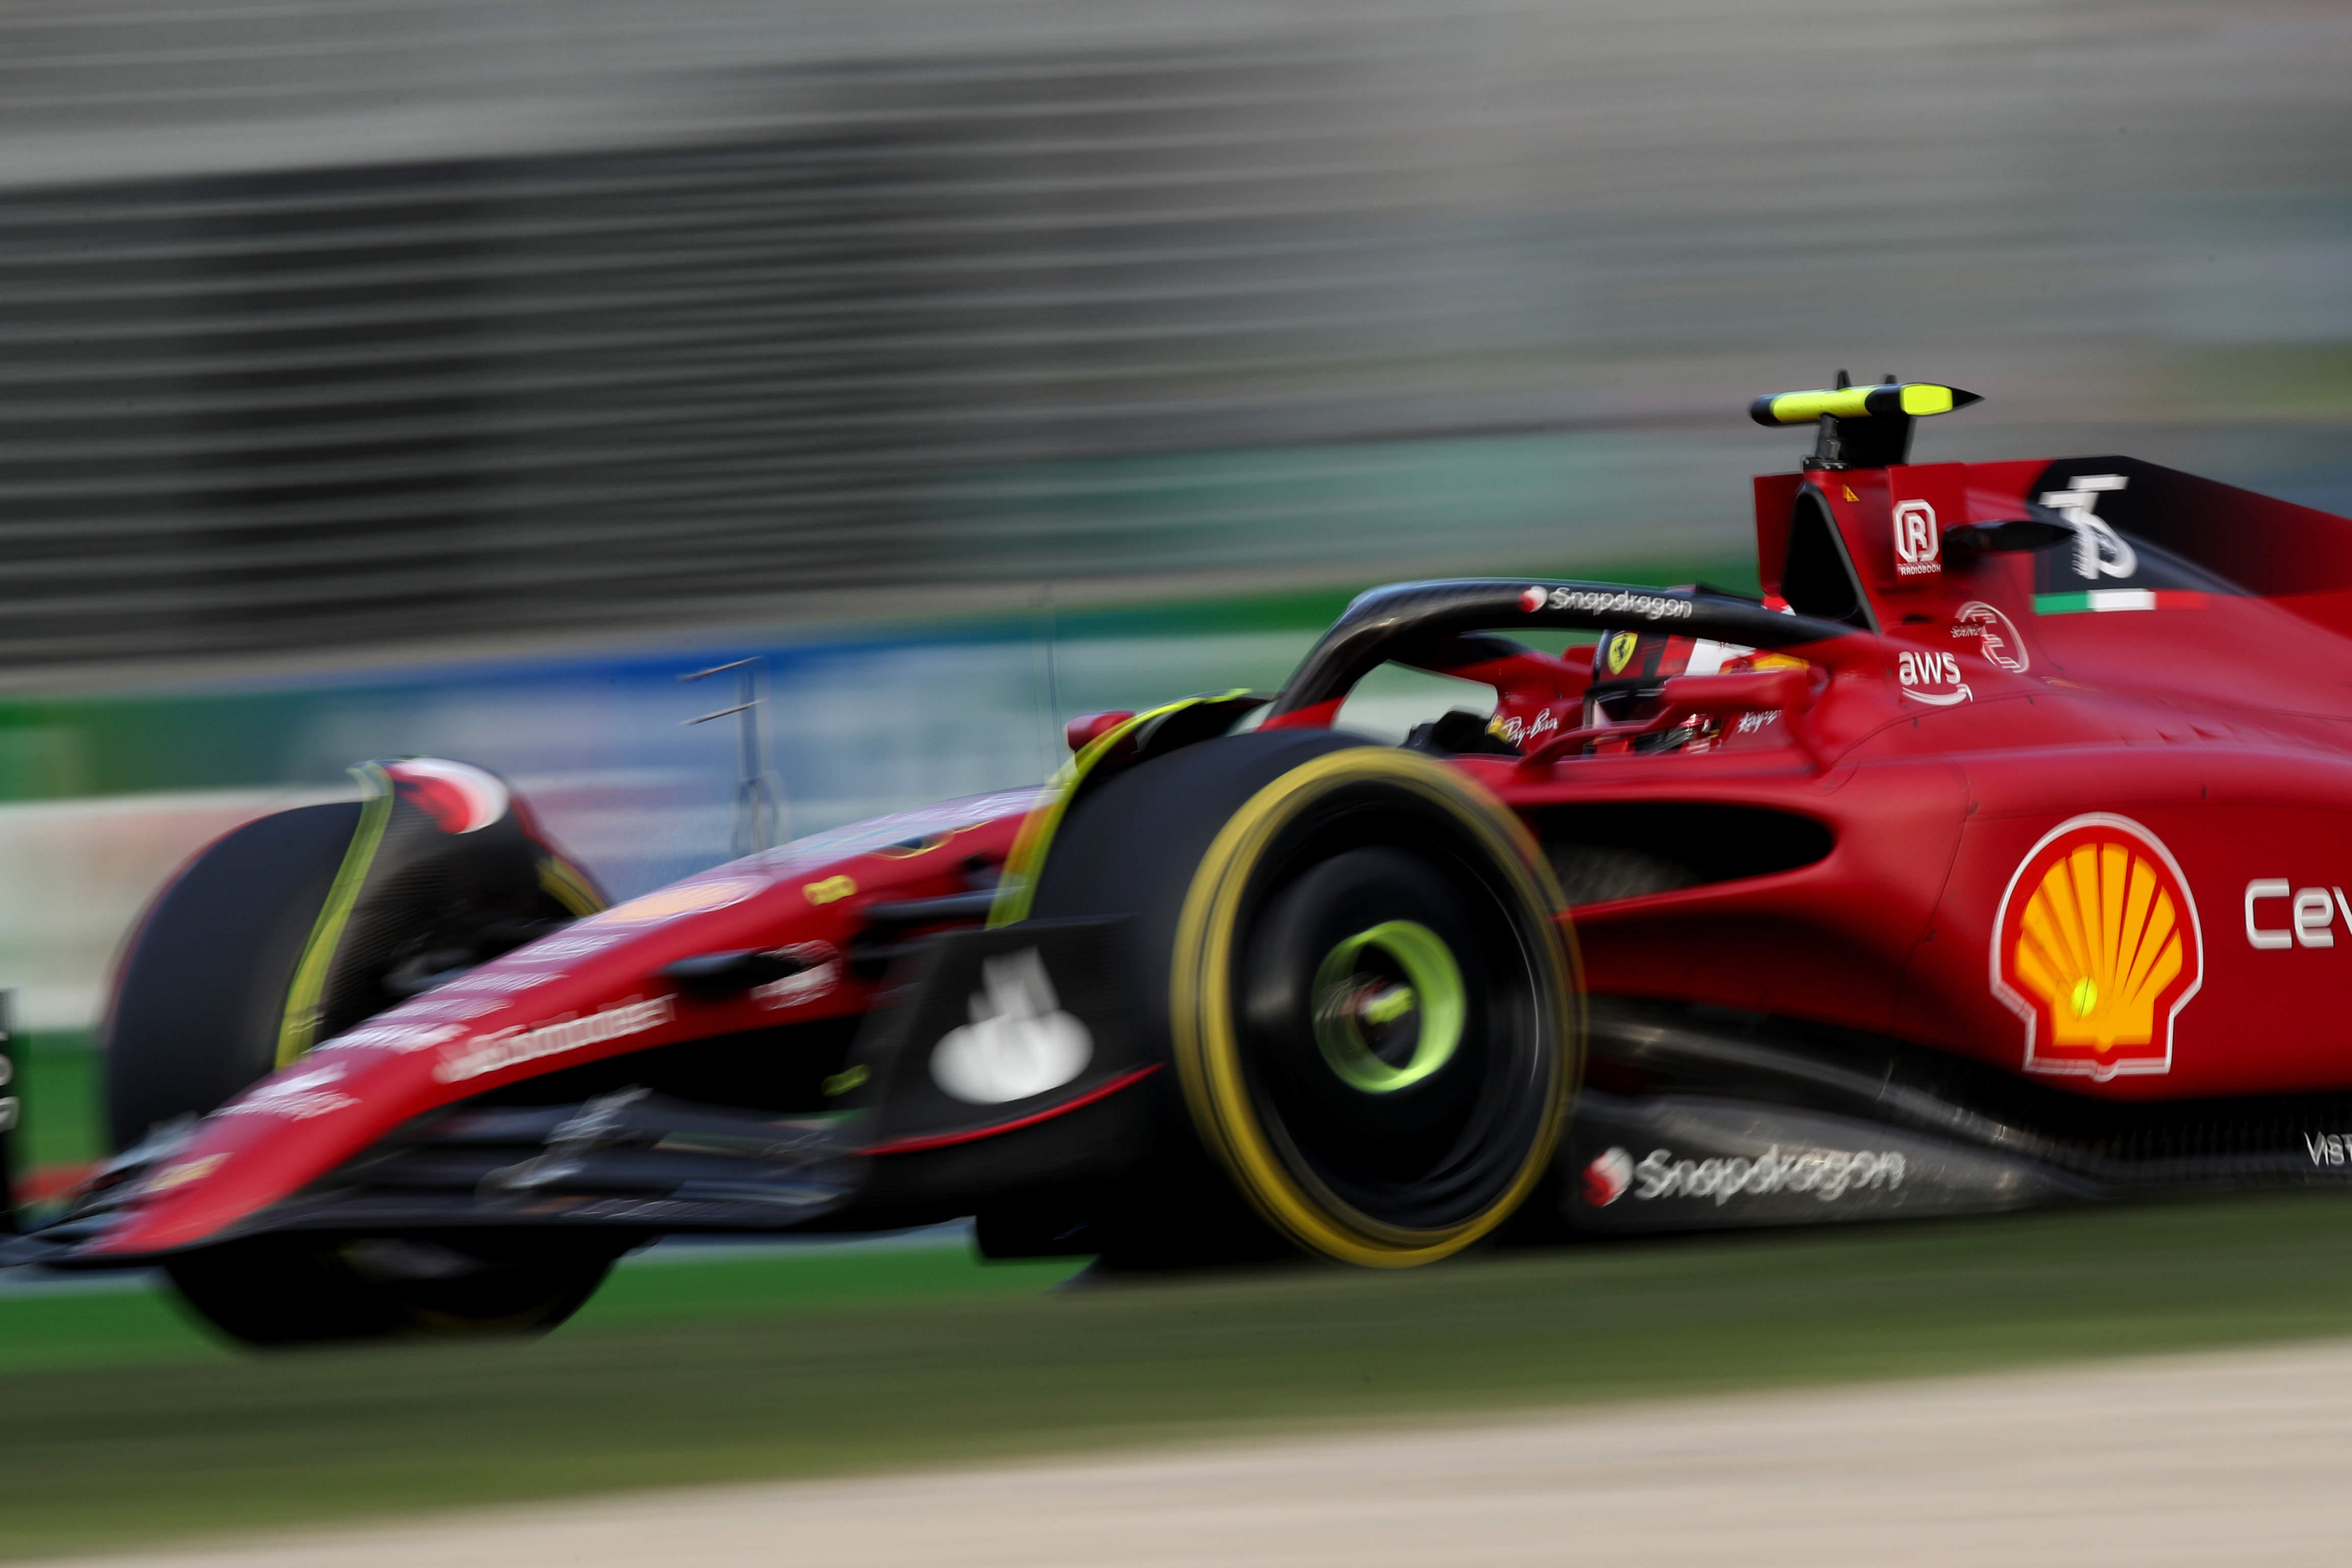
x=1988, y=859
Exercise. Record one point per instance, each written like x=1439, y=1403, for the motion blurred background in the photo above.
x=450, y=377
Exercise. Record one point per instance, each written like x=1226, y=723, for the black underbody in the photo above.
x=1723, y=1119
x=1701, y=1084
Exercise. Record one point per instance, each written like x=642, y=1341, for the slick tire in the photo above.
x=1351, y=958
x=201, y=991
x=299, y=925
x=277, y=1291
x=199, y=1012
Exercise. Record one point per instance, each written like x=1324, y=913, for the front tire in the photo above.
x=1353, y=959
x=274, y=1291
x=212, y=997
x=202, y=996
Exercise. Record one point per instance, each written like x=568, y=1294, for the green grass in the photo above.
x=52, y=1330
x=91, y=1325
x=822, y=1278
x=60, y=1089
x=690, y=1373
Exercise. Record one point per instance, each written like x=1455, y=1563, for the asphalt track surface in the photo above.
x=2197, y=1459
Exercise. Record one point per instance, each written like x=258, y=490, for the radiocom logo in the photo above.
x=1919, y=545
x=2097, y=948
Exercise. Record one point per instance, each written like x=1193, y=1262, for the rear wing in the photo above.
x=2297, y=556
x=2115, y=525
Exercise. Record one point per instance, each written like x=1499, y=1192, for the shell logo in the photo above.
x=2097, y=948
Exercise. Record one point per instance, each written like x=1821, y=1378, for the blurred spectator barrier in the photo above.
x=349, y=321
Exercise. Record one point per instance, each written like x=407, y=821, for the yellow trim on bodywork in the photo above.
x=830, y=889
x=561, y=881
x=1200, y=1012
x=1035, y=836
x=298, y=1028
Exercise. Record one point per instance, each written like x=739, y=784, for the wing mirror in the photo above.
x=1087, y=728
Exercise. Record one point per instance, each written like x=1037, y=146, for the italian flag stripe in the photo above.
x=2099, y=599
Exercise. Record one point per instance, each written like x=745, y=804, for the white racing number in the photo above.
x=2099, y=550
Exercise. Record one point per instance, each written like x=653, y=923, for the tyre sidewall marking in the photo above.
x=1207, y=1051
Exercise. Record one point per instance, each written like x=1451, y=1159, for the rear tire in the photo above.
x=1350, y=957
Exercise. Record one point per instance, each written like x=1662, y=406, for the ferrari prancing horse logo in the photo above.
x=2096, y=946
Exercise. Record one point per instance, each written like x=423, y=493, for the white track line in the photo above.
x=2237, y=1457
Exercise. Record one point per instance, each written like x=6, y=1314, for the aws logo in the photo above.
x=1933, y=677
x=2096, y=946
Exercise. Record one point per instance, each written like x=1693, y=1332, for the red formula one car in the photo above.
x=1989, y=859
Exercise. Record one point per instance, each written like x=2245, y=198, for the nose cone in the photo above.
x=588, y=991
